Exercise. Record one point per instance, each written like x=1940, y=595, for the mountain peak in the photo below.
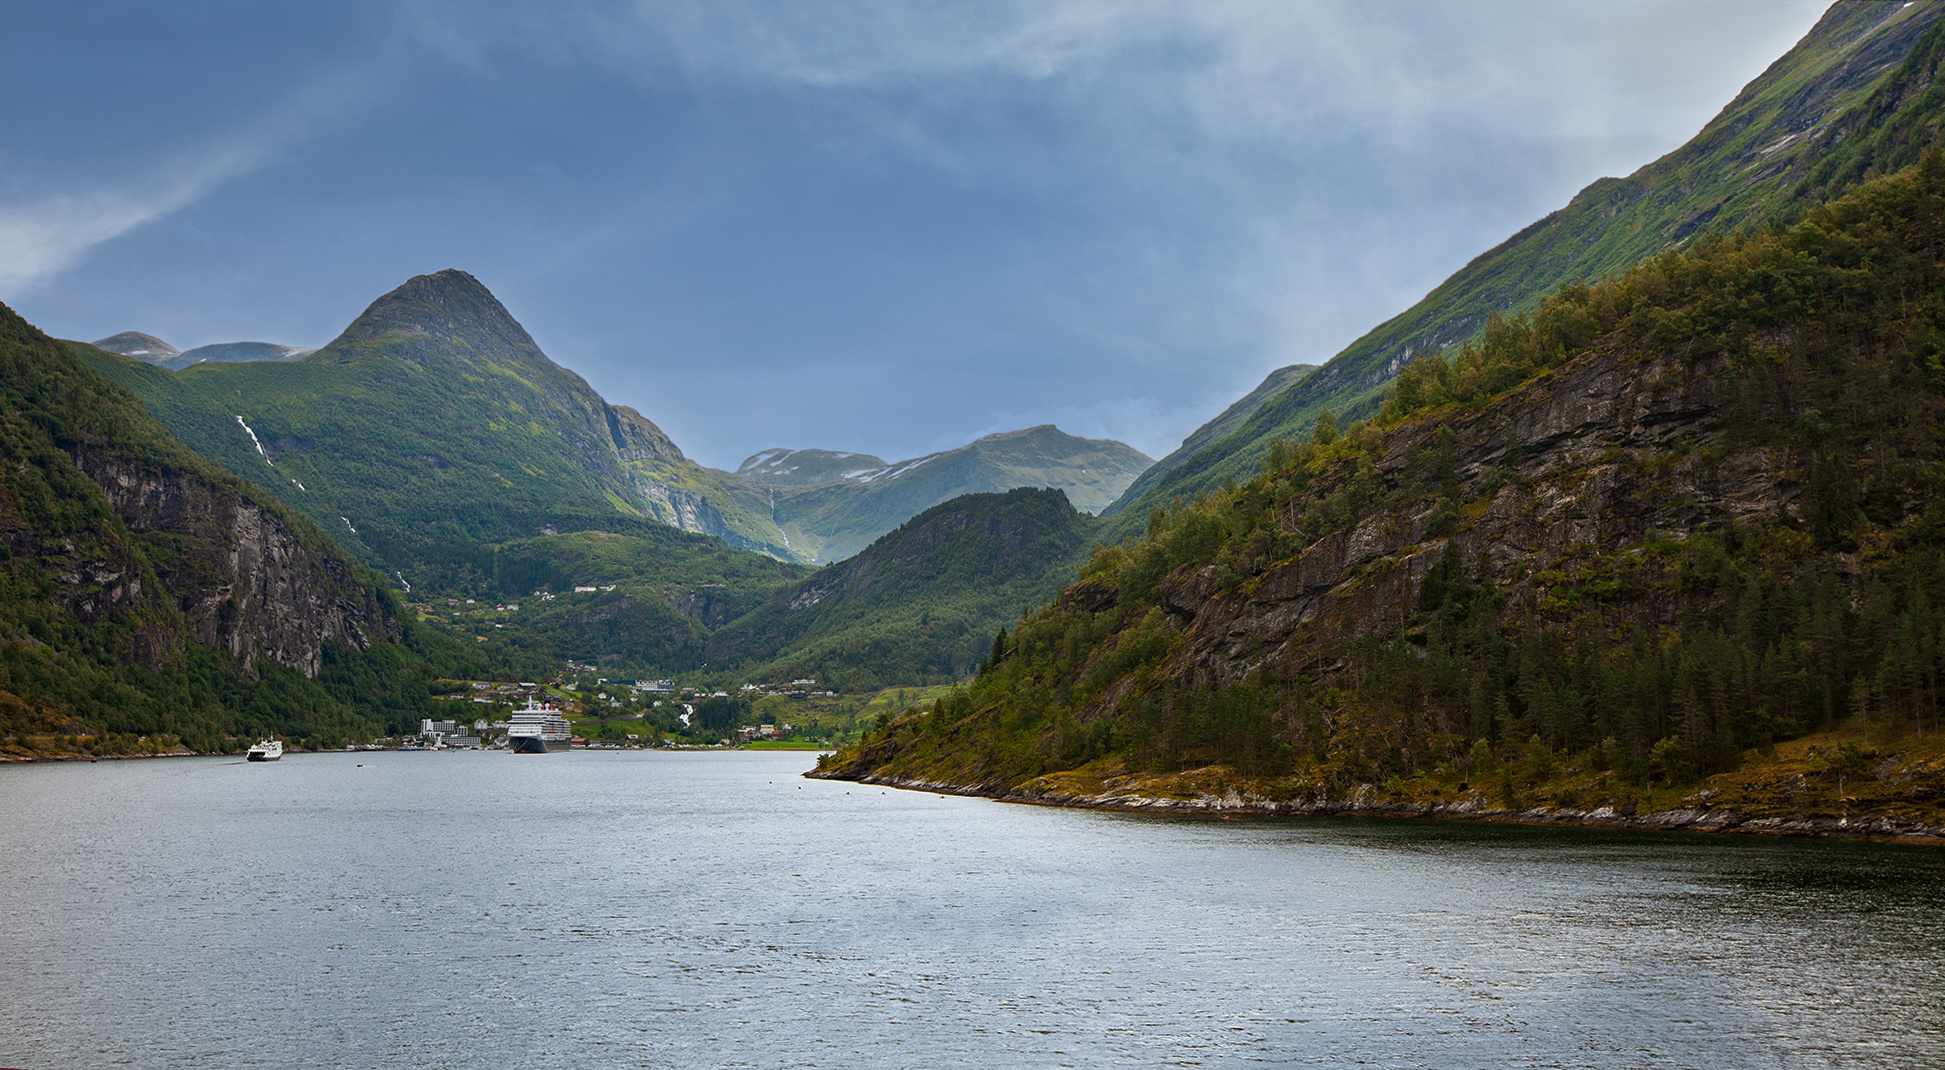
x=803, y=468
x=135, y=344
x=444, y=313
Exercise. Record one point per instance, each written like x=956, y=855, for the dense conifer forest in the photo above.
x=1651, y=655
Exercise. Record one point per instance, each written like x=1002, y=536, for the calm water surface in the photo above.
x=702, y=910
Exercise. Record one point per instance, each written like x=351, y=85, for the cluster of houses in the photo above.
x=506, y=607
x=579, y=588
x=487, y=693
x=794, y=689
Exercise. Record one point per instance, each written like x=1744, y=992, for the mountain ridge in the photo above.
x=152, y=350
x=1793, y=136
x=443, y=345
x=831, y=505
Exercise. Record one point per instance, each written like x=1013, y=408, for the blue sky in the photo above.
x=878, y=225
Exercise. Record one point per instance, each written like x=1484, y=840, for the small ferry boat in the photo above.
x=266, y=750
x=536, y=729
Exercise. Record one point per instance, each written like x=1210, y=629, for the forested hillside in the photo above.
x=1643, y=536
x=149, y=600
x=432, y=427
x=1858, y=93
x=921, y=604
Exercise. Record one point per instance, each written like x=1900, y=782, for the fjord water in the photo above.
x=658, y=909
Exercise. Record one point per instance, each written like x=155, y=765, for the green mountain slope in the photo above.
x=1225, y=424
x=149, y=599
x=922, y=603
x=431, y=426
x=434, y=422
x=1857, y=92
x=829, y=505
x=1674, y=519
x=436, y=440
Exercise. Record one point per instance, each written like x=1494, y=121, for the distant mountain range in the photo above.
x=826, y=506
x=434, y=413
x=152, y=350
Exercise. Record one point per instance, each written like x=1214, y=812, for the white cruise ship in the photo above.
x=537, y=729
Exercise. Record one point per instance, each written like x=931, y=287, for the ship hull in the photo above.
x=535, y=745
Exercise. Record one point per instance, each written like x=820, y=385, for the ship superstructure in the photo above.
x=537, y=728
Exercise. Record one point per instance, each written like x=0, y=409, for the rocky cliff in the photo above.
x=243, y=579
x=1612, y=448
x=130, y=563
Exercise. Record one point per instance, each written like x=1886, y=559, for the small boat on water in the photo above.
x=537, y=729
x=266, y=750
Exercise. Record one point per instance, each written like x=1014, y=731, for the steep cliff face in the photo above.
x=128, y=560
x=1614, y=448
x=241, y=577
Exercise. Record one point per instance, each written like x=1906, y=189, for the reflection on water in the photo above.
x=599, y=910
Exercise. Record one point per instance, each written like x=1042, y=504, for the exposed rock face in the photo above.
x=103, y=515
x=712, y=608
x=1600, y=468
x=242, y=579
x=239, y=353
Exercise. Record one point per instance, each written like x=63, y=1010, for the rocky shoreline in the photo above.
x=1363, y=803
x=70, y=756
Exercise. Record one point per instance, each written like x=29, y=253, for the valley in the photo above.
x=1635, y=502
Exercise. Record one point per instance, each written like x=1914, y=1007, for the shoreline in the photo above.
x=25, y=759
x=1867, y=827
x=30, y=758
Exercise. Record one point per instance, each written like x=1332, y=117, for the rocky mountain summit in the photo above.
x=143, y=347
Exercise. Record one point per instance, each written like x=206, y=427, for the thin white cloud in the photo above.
x=42, y=236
